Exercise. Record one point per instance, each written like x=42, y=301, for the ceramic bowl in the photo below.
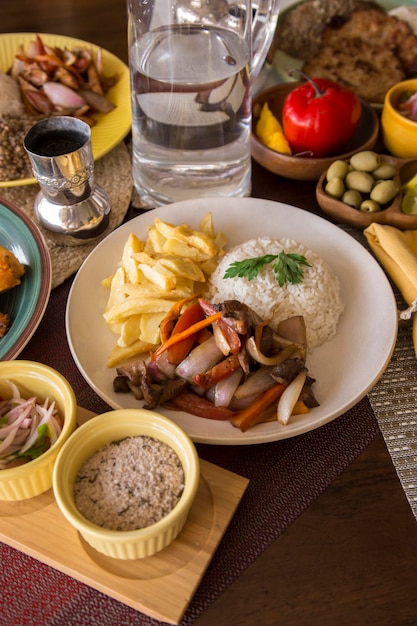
x=399, y=134
x=391, y=215
x=306, y=168
x=114, y=426
x=35, y=379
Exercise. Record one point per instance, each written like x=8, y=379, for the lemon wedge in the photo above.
x=269, y=131
x=409, y=202
x=411, y=183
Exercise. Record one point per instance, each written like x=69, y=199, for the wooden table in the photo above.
x=351, y=557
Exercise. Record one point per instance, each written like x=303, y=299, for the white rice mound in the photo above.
x=317, y=297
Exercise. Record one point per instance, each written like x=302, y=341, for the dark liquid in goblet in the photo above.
x=57, y=142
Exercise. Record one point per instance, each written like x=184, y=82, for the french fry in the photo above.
x=149, y=326
x=129, y=331
x=159, y=275
x=133, y=306
x=132, y=246
x=119, y=355
x=172, y=264
x=183, y=268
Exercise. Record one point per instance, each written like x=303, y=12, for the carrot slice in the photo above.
x=191, y=330
x=251, y=414
x=170, y=319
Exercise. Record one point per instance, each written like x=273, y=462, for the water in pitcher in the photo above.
x=190, y=135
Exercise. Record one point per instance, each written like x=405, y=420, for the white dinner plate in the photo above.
x=345, y=368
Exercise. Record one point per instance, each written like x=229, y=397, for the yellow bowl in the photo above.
x=93, y=435
x=35, y=379
x=399, y=134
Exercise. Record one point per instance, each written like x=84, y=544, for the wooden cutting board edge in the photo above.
x=161, y=586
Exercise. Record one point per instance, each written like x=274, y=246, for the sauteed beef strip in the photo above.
x=138, y=376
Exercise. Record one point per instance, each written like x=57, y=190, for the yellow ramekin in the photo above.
x=36, y=379
x=93, y=435
x=399, y=134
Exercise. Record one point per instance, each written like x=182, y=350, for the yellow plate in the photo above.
x=111, y=127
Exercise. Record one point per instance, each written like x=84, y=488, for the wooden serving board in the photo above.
x=160, y=586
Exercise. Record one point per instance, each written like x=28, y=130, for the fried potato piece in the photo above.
x=11, y=270
x=172, y=264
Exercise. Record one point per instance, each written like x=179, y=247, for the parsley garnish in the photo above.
x=287, y=268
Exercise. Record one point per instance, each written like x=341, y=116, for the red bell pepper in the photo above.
x=199, y=406
x=320, y=117
x=218, y=372
x=192, y=314
x=178, y=337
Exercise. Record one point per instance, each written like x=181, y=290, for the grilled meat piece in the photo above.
x=300, y=32
x=4, y=324
x=368, y=51
x=11, y=270
x=367, y=70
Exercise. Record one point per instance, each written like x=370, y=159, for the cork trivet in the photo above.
x=113, y=173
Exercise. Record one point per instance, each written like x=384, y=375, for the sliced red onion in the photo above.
x=22, y=418
x=225, y=389
x=258, y=381
x=414, y=107
x=62, y=96
x=200, y=359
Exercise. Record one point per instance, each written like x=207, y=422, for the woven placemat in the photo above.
x=394, y=400
x=113, y=173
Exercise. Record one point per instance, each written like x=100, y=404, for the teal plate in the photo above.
x=26, y=303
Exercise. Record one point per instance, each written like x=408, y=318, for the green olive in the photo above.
x=365, y=161
x=384, y=191
x=385, y=171
x=335, y=188
x=370, y=206
x=352, y=198
x=360, y=181
x=338, y=169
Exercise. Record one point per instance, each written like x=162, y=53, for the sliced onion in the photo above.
x=97, y=101
x=220, y=339
x=256, y=354
x=237, y=404
x=62, y=96
x=22, y=418
x=199, y=360
x=289, y=397
x=259, y=381
x=164, y=366
x=225, y=389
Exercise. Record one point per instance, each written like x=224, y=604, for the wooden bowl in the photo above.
x=392, y=215
x=306, y=168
